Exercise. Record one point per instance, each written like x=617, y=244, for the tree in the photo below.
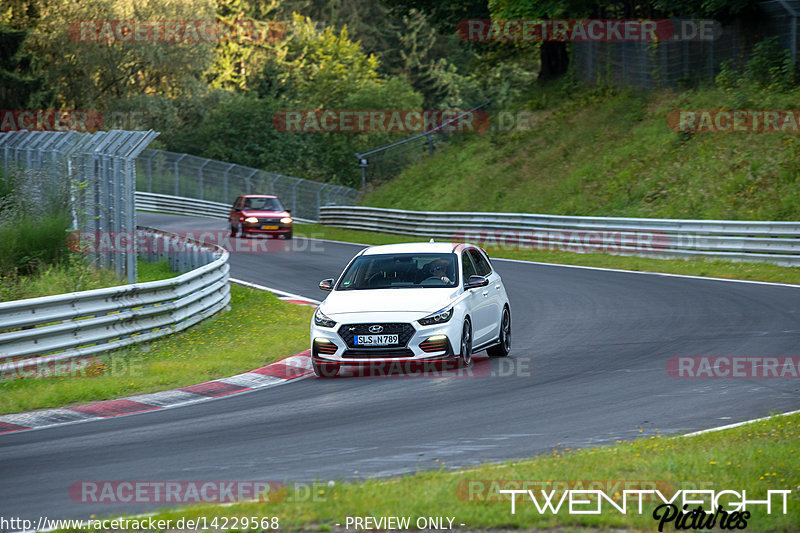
x=20, y=86
x=553, y=54
x=326, y=66
x=88, y=72
x=20, y=14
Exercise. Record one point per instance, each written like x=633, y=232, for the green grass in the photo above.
x=257, y=330
x=73, y=275
x=153, y=271
x=756, y=457
x=611, y=153
x=692, y=267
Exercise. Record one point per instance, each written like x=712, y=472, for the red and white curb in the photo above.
x=289, y=369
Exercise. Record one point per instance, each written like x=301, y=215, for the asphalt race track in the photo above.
x=587, y=367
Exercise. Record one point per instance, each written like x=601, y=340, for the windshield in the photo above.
x=400, y=271
x=263, y=204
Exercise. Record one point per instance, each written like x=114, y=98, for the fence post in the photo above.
x=319, y=198
x=225, y=183
x=200, y=178
x=176, y=172
x=150, y=172
x=247, y=180
x=294, y=197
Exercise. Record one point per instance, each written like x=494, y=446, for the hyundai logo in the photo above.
x=376, y=328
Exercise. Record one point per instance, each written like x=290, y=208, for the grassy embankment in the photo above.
x=611, y=153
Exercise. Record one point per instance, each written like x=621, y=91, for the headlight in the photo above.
x=439, y=317
x=321, y=320
x=286, y=220
x=251, y=220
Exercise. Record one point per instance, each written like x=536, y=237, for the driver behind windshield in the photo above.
x=438, y=268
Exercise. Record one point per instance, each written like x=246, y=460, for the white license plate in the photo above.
x=269, y=227
x=375, y=340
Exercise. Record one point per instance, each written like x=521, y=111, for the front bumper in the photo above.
x=328, y=346
x=256, y=229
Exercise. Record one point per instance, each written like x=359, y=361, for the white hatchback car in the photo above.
x=416, y=302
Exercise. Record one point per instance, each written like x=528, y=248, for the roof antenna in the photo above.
x=431, y=240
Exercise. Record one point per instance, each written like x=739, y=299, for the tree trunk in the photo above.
x=555, y=59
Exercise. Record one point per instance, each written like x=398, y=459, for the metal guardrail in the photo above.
x=40, y=331
x=177, y=205
x=773, y=242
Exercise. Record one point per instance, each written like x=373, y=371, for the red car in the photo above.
x=260, y=214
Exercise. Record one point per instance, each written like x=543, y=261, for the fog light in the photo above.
x=324, y=346
x=436, y=343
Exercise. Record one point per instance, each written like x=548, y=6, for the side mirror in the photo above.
x=326, y=284
x=289, y=211
x=476, y=281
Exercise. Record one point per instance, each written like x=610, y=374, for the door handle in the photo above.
x=486, y=293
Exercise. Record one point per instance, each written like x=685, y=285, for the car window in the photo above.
x=398, y=271
x=238, y=203
x=263, y=204
x=467, y=267
x=481, y=264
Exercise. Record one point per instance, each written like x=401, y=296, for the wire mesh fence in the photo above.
x=190, y=176
x=97, y=171
x=694, y=54
x=783, y=20
x=666, y=63
x=385, y=162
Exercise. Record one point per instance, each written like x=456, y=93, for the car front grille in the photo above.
x=403, y=331
x=378, y=352
x=269, y=221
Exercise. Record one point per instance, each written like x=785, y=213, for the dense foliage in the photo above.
x=217, y=99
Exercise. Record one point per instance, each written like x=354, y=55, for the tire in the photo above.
x=287, y=236
x=503, y=346
x=465, y=355
x=324, y=370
